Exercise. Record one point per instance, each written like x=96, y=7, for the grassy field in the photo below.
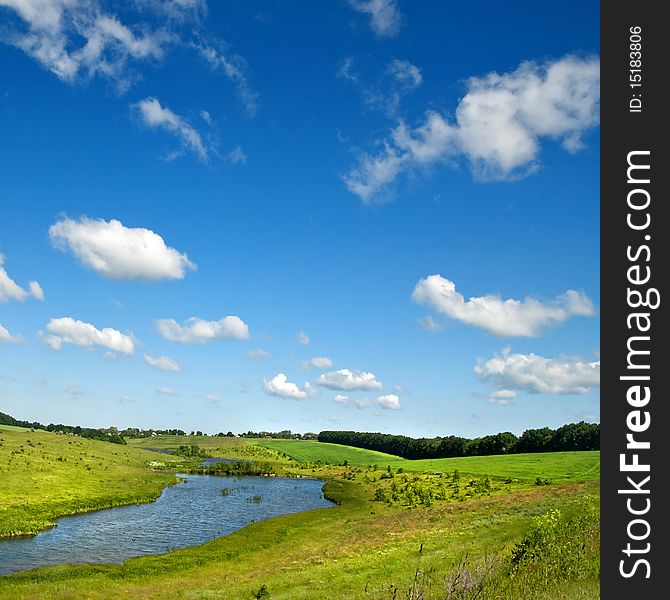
x=556, y=466
x=44, y=475
x=168, y=442
x=394, y=535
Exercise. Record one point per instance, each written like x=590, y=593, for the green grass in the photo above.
x=167, y=442
x=355, y=550
x=408, y=547
x=44, y=475
x=218, y=447
x=556, y=466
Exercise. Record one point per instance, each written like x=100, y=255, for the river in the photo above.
x=186, y=514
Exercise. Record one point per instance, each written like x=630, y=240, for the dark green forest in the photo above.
x=573, y=436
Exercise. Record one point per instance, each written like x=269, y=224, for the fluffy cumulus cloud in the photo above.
x=10, y=290
x=303, y=338
x=318, y=362
x=535, y=374
x=199, y=331
x=502, y=397
x=497, y=126
x=162, y=363
x=280, y=386
x=118, y=252
x=389, y=402
x=67, y=330
x=7, y=338
x=385, y=16
x=500, y=317
x=349, y=380
x=153, y=114
x=385, y=402
x=78, y=38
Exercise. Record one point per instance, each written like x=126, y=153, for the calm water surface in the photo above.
x=186, y=514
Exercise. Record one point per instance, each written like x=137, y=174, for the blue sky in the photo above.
x=373, y=215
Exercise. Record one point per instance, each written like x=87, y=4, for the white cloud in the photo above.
x=397, y=79
x=359, y=403
x=213, y=398
x=498, y=401
x=72, y=38
x=430, y=324
x=349, y=380
x=303, y=338
x=405, y=72
x=536, y=374
x=6, y=337
x=389, y=401
x=345, y=70
x=497, y=127
x=70, y=331
x=504, y=394
x=206, y=117
x=155, y=115
x=502, y=397
x=199, y=331
x=258, y=353
x=280, y=386
x=162, y=363
x=165, y=391
x=385, y=17
x=119, y=252
x=318, y=362
x=180, y=10
x=235, y=68
x=10, y=290
x=75, y=390
x=500, y=317
x=236, y=156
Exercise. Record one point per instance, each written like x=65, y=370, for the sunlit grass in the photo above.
x=45, y=475
x=555, y=466
x=394, y=534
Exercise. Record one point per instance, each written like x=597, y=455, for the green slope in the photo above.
x=45, y=475
x=556, y=466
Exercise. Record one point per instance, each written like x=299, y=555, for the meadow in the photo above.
x=45, y=475
x=555, y=466
x=451, y=528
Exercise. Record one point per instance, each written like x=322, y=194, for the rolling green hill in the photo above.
x=556, y=466
x=46, y=475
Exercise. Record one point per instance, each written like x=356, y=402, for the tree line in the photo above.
x=573, y=436
x=106, y=435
